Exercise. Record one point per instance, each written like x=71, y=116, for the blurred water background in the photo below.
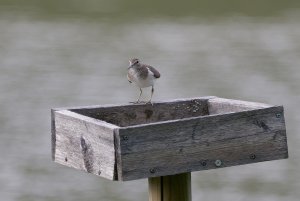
x=73, y=53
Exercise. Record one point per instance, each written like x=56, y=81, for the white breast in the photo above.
x=141, y=83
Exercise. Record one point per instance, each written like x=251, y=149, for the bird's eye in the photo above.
x=137, y=62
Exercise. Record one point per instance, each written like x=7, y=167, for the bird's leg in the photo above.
x=138, y=100
x=152, y=91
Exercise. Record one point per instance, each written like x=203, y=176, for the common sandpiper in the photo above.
x=142, y=75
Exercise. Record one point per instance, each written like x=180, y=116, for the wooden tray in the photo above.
x=135, y=141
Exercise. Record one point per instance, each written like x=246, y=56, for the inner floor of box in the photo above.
x=135, y=114
x=130, y=115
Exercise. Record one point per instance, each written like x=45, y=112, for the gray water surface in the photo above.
x=53, y=58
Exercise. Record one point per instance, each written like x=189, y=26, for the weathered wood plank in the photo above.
x=222, y=105
x=196, y=143
x=83, y=143
x=170, y=188
x=136, y=114
x=233, y=153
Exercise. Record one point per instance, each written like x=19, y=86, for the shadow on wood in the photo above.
x=170, y=188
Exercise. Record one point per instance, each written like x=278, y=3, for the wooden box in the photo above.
x=135, y=141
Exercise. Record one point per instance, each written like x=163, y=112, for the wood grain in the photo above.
x=155, y=189
x=186, y=145
x=170, y=188
x=222, y=105
x=84, y=143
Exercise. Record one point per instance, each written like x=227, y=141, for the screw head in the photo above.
x=125, y=137
x=203, y=163
x=152, y=170
x=218, y=163
x=252, y=156
x=278, y=115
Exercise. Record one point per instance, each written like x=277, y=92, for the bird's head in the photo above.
x=133, y=62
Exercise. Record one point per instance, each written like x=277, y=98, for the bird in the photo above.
x=142, y=75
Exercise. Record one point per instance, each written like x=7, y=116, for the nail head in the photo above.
x=152, y=170
x=218, y=163
x=252, y=156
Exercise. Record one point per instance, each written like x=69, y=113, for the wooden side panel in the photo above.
x=201, y=143
x=83, y=143
x=222, y=105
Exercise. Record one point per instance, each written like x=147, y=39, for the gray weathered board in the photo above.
x=135, y=141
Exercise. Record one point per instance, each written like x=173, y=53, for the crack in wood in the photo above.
x=194, y=130
x=262, y=125
x=87, y=153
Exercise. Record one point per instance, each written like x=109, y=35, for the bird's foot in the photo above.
x=149, y=102
x=135, y=102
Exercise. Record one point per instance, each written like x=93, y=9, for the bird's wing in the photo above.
x=128, y=78
x=155, y=72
